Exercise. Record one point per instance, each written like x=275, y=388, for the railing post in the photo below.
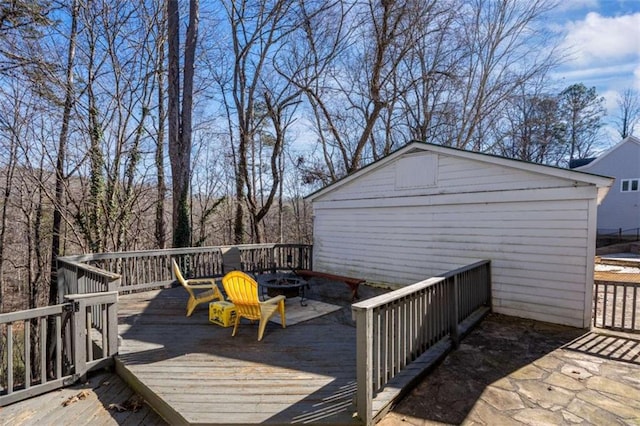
x=595, y=303
x=9, y=358
x=453, y=313
x=27, y=354
x=272, y=261
x=79, y=332
x=114, y=285
x=112, y=320
x=489, y=286
x=364, y=364
x=82, y=285
x=112, y=329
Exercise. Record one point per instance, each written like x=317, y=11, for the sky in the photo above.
x=602, y=39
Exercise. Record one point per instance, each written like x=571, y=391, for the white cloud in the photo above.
x=577, y=5
x=599, y=38
x=611, y=101
x=597, y=71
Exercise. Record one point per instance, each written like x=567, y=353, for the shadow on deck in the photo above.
x=192, y=371
x=506, y=371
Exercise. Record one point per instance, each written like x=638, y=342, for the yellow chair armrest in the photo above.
x=196, y=281
x=213, y=284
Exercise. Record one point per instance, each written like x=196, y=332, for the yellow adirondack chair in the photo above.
x=242, y=290
x=194, y=287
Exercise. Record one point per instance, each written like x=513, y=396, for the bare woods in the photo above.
x=137, y=125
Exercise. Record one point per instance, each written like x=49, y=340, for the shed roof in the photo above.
x=579, y=162
x=601, y=182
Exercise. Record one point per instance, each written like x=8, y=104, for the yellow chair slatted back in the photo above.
x=242, y=290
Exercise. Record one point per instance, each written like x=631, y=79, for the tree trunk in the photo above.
x=180, y=122
x=161, y=189
x=9, y=172
x=238, y=223
x=59, y=194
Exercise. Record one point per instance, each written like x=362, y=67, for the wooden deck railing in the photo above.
x=616, y=306
x=83, y=326
x=142, y=270
x=81, y=344
x=398, y=333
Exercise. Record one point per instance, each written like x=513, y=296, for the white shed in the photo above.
x=427, y=209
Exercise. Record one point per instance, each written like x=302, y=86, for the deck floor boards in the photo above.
x=100, y=391
x=304, y=373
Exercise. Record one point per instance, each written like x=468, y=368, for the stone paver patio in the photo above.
x=510, y=371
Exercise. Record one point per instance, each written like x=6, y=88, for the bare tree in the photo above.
x=502, y=50
x=581, y=110
x=180, y=114
x=60, y=177
x=257, y=103
x=208, y=191
x=117, y=64
x=628, y=112
x=357, y=77
x=69, y=101
x=424, y=111
x=161, y=189
x=11, y=120
x=531, y=129
x=389, y=72
x=20, y=26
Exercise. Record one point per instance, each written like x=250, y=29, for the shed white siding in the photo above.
x=536, y=228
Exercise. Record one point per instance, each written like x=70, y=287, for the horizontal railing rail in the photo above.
x=142, y=270
x=616, y=306
x=80, y=344
x=619, y=232
x=397, y=329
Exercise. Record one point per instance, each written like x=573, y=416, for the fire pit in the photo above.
x=289, y=285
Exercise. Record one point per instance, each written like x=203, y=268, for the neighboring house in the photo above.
x=427, y=209
x=620, y=210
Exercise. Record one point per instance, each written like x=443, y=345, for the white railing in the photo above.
x=400, y=332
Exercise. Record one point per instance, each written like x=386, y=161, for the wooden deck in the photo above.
x=194, y=372
x=104, y=399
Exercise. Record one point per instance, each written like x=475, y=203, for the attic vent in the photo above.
x=417, y=171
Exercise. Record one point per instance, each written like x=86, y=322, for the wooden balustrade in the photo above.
x=80, y=344
x=84, y=325
x=143, y=270
x=400, y=332
x=616, y=305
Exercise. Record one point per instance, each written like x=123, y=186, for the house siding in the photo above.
x=533, y=227
x=619, y=210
